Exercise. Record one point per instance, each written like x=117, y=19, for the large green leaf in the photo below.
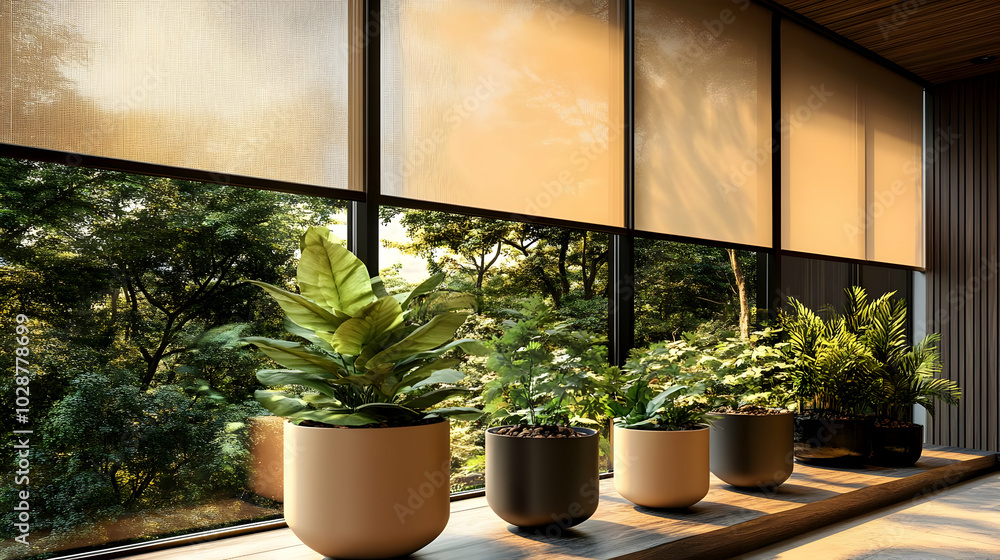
x=373, y=321
x=439, y=330
x=331, y=275
x=449, y=376
x=280, y=404
x=459, y=412
x=389, y=411
x=432, y=398
x=308, y=334
x=293, y=355
x=416, y=377
x=425, y=287
x=314, y=381
x=339, y=417
x=301, y=310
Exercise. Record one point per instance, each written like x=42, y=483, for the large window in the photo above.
x=131, y=291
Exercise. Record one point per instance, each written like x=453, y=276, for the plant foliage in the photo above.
x=546, y=372
x=861, y=362
x=650, y=398
x=365, y=360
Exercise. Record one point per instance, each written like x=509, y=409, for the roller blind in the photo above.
x=703, y=149
x=851, y=139
x=505, y=105
x=244, y=88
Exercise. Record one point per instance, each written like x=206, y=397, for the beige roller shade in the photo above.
x=851, y=138
x=234, y=87
x=703, y=150
x=504, y=105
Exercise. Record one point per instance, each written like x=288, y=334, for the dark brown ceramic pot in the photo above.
x=897, y=446
x=535, y=482
x=832, y=442
x=750, y=450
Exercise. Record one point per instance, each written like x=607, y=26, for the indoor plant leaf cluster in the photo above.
x=861, y=363
x=546, y=370
x=652, y=398
x=365, y=361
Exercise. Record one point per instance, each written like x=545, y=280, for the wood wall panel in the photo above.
x=963, y=288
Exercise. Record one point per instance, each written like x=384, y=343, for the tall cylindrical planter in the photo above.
x=661, y=469
x=897, y=446
x=836, y=442
x=752, y=451
x=367, y=492
x=266, y=461
x=532, y=482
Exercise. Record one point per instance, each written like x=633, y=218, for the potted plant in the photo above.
x=661, y=439
x=835, y=380
x=906, y=378
x=366, y=457
x=752, y=428
x=540, y=471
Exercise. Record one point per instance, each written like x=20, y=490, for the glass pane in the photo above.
x=131, y=294
x=684, y=289
x=500, y=263
x=242, y=88
x=504, y=105
x=703, y=147
x=823, y=178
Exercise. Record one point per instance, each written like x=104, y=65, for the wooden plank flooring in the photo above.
x=621, y=529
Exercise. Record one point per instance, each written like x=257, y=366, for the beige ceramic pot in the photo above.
x=367, y=492
x=266, y=457
x=661, y=469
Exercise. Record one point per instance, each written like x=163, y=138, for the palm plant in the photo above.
x=833, y=369
x=861, y=362
x=906, y=374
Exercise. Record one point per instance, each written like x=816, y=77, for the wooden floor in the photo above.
x=725, y=523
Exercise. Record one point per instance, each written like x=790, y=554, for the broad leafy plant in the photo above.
x=365, y=360
x=546, y=371
x=650, y=399
x=753, y=372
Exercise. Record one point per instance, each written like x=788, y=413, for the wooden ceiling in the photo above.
x=934, y=39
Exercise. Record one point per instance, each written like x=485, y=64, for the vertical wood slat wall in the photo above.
x=963, y=271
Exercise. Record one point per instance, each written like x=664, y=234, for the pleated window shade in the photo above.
x=851, y=139
x=506, y=105
x=703, y=149
x=253, y=88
